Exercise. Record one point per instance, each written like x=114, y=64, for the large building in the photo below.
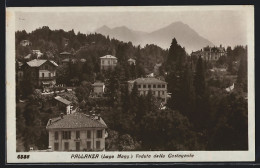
x=42, y=73
x=158, y=87
x=63, y=104
x=77, y=132
x=131, y=61
x=210, y=53
x=98, y=89
x=108, y=62
x=25, y=43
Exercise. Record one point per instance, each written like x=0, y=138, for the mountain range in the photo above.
x=184, y=34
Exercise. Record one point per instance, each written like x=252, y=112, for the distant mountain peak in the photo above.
x=184, y=34
x=103, y=27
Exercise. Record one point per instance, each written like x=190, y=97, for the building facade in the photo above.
x=156, y=86
x=108, y=62
x=131, y=61
x=63, y=104
x=77, y=132
x=25, y=43
x=42, y=73
x=98, y=89
x=210, y=53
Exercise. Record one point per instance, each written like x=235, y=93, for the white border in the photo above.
x=65, y=157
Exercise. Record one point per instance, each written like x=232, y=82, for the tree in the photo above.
x=32, y=122
x=20, y=122
x=202, y=107
x=232, y=124
x=186, y=96
x=27, y=88
x=127, y=143
x=199, y=78
x=172, y=130
x=176, y=57
x=62, y=74
x=83, y=91
x=242, y=72
x=113, y=85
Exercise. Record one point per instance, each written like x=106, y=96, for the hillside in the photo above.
x=90, y=46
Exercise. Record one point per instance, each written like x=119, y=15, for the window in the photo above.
x=56, y=135
x=99, y=133
x=154, y=86
x=49, y=75
x=97, y=144
x=163, y=86
x=102, y=62
x=43, y=75
x=139, y=86
x=77, y=134
x=153, y=92
x=108, y=62
x=158, y=93
x=65, y=134
x=88, y=134
x=46, y=66
x=144, y=86
x=162, y=92
x=149, y=86
x=159, y=86
x=77, y=146
x=88, y=145
x=66, y=146
x=56, y=146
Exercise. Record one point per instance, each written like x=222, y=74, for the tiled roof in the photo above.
x=38, y=62
x=98, y=84
x=69, y=60
x=75, y=120
x=28, y=56
x=66, y=60
x=82, y=60
x=66, y=53
x=148, y=80
x=109, y=56
x=60, y=99
x=130, y=59
x=54, y=63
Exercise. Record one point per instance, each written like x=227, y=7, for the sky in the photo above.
x=226, y=27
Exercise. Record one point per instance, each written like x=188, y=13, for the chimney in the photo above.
x=50, y=122
x=61, y=115
x=99, y=117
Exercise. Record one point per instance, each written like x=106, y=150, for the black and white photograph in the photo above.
x=130, y=84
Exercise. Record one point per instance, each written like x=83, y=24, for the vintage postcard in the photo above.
x=130, y=84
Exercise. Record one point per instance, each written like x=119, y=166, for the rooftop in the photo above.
x=75, y=120
x=60, y=99
x=65, y=53
x=147, y=80
x=109, y=56
x=131, y=59
x=39, y=62
x=98, y=84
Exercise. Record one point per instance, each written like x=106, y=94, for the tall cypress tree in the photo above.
x=176, y=57
x=186, y=99
x=199, y=79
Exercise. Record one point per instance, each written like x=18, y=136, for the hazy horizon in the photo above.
x=219, y=27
